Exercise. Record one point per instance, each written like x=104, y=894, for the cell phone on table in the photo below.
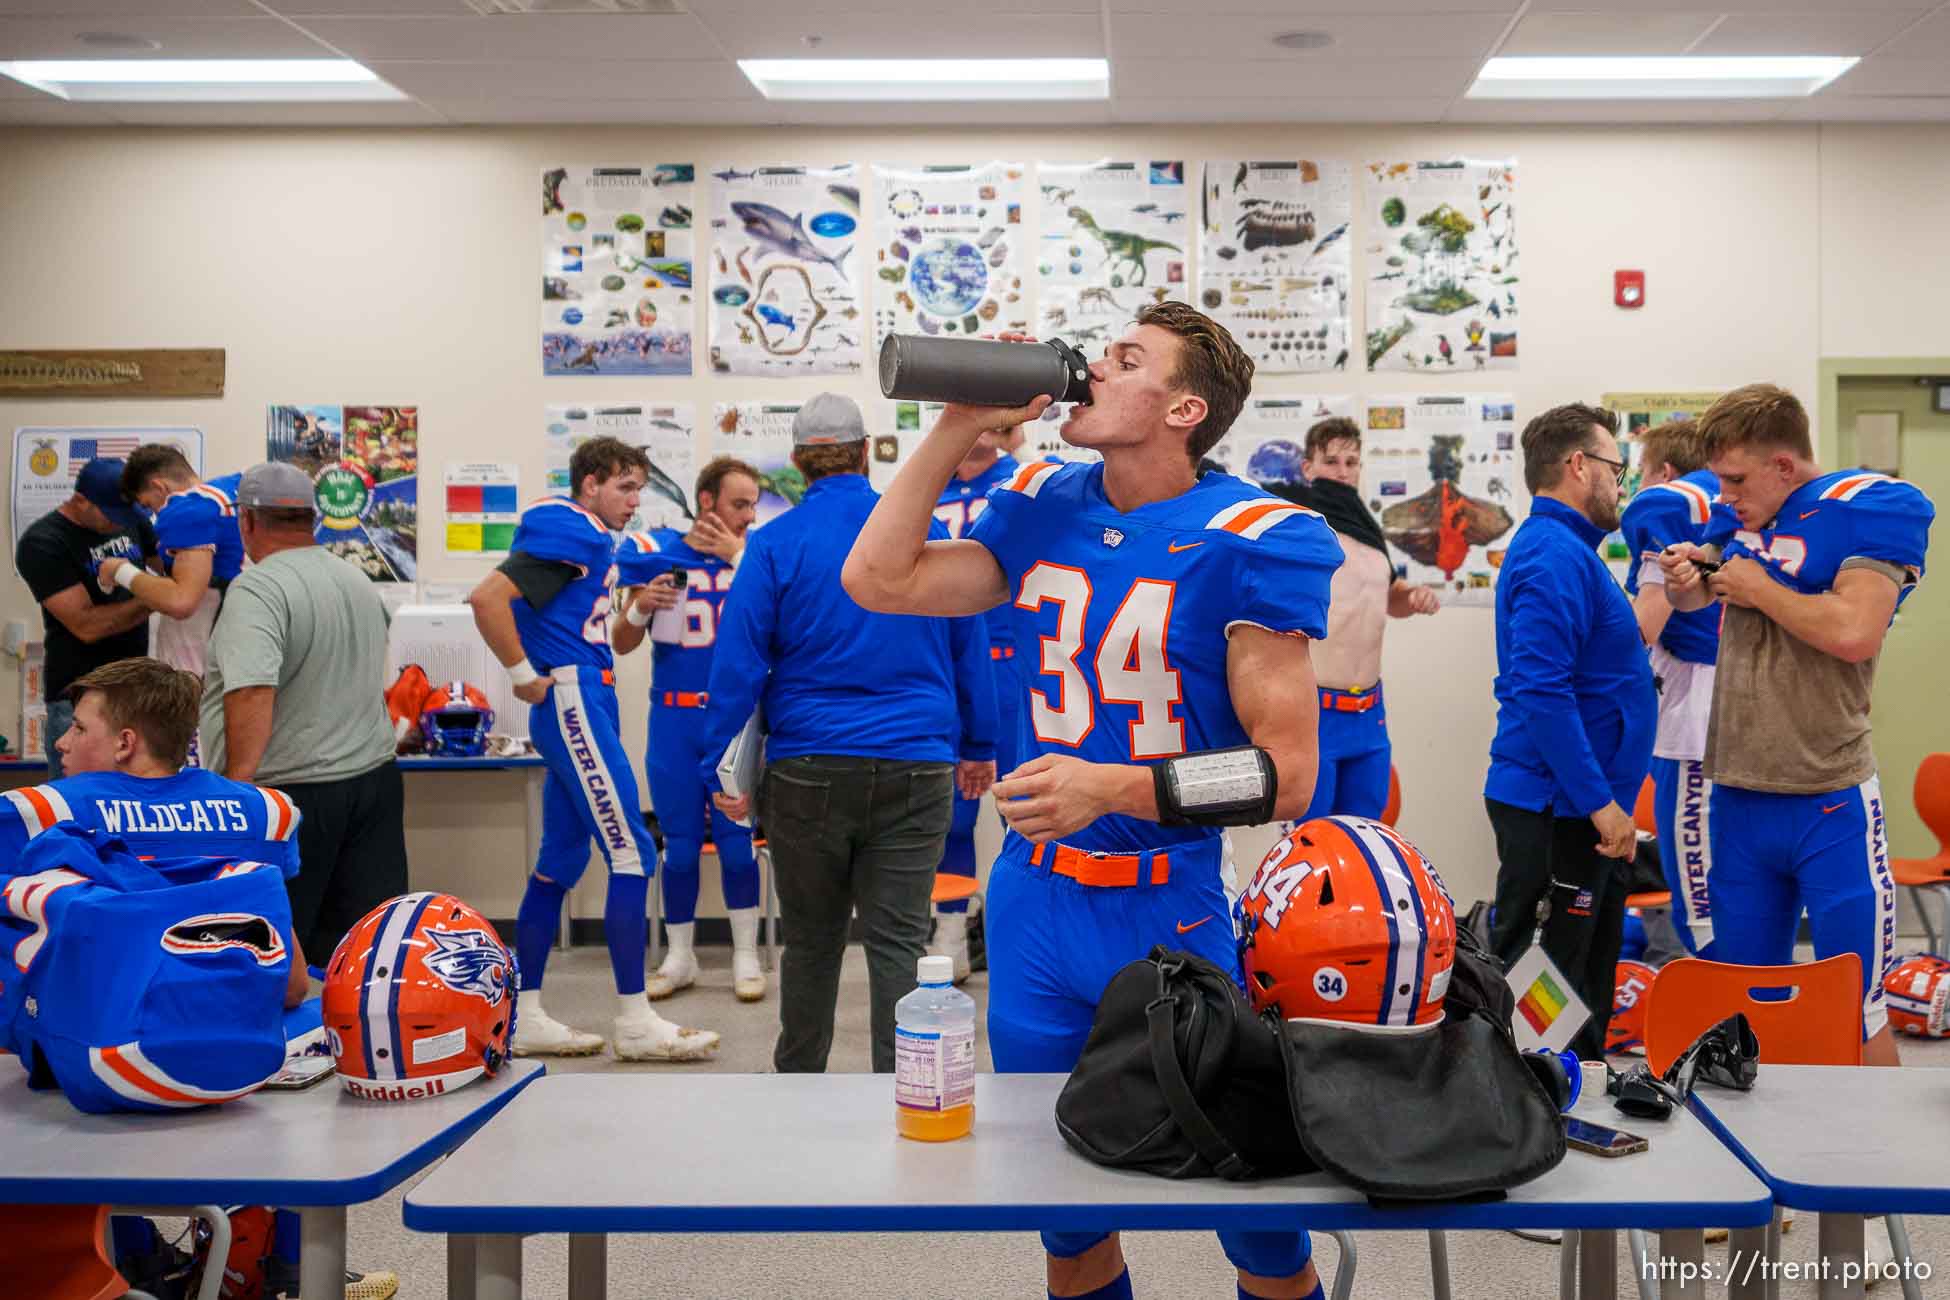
x=1583, y=1135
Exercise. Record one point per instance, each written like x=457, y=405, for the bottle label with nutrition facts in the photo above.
x=934, y=1071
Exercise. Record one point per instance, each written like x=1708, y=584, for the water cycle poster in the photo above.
x=1274, y=264
x=784, y=271
x=617, y=269
x=760, y=434
x=1114, y=241
x=665, y=431
x=1268, y=441
x=364, y=463
x=1441, y=472
x=1442, y=266
x=949, y=259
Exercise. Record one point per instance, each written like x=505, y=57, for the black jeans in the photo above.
x=1541, y=855
x=351, y=855
x=850, y=833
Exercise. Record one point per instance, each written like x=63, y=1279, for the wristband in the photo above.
x=523, y=673
x=638, y=617
x=1217, y=787
x=125, y=577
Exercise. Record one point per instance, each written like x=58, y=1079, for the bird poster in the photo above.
x=364, y=463
x=1442, y=266
x=1441, y=472
x=950, y=253
x=667, y=433
x=784, y=271
x=1269, y=439
x=617, y=269
x=1274, y=265
x=760, y=434
x=1114, y=241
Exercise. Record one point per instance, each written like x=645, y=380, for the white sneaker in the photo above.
x=747, y=977
x=649, y=1037
x=674, y=974
x=539, y=1034
x=951, y=941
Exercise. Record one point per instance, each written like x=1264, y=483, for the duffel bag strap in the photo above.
x=1192, y=1121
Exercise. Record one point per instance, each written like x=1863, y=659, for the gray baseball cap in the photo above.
x=827, y=419
x=275, y=486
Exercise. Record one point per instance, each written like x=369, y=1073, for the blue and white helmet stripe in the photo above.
x=1407, y=924
x=379, y=1015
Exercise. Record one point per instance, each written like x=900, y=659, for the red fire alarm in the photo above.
x=1628, y=288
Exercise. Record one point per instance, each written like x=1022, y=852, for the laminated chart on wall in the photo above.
x=1114, y=241
x=760, y=434
x=667, y=433
x=1274, y=264
x=1268, y=441
x=784, y=271
x=483, y=506
x=1442, y=473
x=48, y=460
x=1441, y=265
x=618, y=269
x=1636, y=413
x=364, y=463
x=949, y=253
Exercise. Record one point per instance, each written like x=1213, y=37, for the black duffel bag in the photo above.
x=1180, y=1078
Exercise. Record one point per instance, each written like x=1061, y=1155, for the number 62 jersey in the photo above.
x=1132, y=613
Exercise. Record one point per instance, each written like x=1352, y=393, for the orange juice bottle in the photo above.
x=934, y=1057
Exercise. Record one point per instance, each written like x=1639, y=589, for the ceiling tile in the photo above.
x=89, y=14
x=1607, y=33
x=1871, y=108
x=1928, y=39
x=362, y=8
x=900, y=116
x=1295, y=111
x=900, y=13
x=1885, y=75
x=606, y=112
x=521, y=36
x=386, y=114
x=1355, y=35
x=755, y=34
x=182, y=38
x=568, y=79
x=1284, y=79
x=1598, y=111
x=1694, y=6
x=1835, y=33
x=1301, y=10
x=46, y=110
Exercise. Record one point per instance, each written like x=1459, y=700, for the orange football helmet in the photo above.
x=1918, y=994
x=1346, y=921
x=419, y=999
x=1631, y=997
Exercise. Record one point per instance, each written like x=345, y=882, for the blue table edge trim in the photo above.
x=1868, y=1201
x=408, y=763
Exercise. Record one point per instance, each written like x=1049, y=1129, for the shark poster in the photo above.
x=665, y=431
x=784, y=272
x=1274, y=265
x=1268, y=441
x=950, y=253
x=1441, y=472
x=364, y=463
x=617, y=269
x=1114, y=241
x=1442, y=266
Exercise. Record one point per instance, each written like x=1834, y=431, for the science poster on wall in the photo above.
x=1114, y=240
x=1274, y=264
x=760, y=434
x=950, y=256
x=1441, y=472
x=784, y=273
x=1442, y=265
x=364, y=462
x=1268, y=441
x=483, y=502
x=617, y=269
x=665, y=431
x=48, y=460
x=1636, y=413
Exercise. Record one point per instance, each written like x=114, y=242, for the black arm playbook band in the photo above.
x=1217, y=787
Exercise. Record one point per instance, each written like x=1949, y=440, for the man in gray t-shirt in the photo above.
x=294, y=696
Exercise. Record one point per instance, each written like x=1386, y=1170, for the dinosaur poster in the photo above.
x=1274, y=265
x=1442, y=265
x=667, y=432
x=1114, y=240
x=1441, y=472
x=760, y=433
x=951, y=248
x=1269, y=439
x=784, y=271
x=617, y=269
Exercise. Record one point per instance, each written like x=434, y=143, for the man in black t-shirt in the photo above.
x=58, y=556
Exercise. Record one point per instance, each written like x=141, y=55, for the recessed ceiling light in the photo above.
x=137, y=81
x=914, y=80
x=115, y=41
x=1681, y=77
x=1304, y=40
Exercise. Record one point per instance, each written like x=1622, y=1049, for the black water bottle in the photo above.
x=981, y=372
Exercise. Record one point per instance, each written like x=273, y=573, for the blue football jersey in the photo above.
x=1666, y=514
x=203, y=516
x=195, y=813
x=961, y=504
x=1850, y=514
x=1132, y=613
x=683, y=665
x=573, y=628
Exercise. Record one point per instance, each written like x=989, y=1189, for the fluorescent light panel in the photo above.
x=857, y=80
x=1682, y=77
x=155, y=81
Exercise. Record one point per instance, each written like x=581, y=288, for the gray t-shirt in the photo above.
x=311, y=625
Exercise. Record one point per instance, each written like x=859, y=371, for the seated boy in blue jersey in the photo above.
x=1174, y=614
x=545, y=615
x=198, y=550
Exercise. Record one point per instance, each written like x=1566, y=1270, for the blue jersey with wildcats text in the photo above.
x=572, y=629
x=1827, y=521
x=203, y=516
x=1132, y=614
x=194, y=814
x=685, y=664
x=1663, y=515
x=962, y=503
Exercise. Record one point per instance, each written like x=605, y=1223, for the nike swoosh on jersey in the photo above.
x=1186, y=929
x=1174, y=548
x=1804, y=514
x=1831, y=807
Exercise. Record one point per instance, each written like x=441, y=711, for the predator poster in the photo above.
x=1442, y=473
x=1114, y=240
x=950, y=250
x=784, y=271
x=1274, y=265
x=1442, y=266
x=617, y=269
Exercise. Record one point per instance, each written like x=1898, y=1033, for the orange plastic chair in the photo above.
x=1394, y=808
x=948, y=888
x=1642, y=810
x=1931, y=875
x=57, y=1252
x=1820, y=1025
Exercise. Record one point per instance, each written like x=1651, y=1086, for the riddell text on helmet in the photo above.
x=395, y=1091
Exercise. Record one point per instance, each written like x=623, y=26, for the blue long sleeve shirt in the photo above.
x=1576, y=710
x=834, y=678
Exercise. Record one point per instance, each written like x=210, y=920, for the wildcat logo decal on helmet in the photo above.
x=469, y=961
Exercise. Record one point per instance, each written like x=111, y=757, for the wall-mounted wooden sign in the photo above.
x=113, y=372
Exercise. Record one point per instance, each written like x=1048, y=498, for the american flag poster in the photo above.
x=47, y=460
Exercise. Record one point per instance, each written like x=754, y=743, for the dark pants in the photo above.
x=351, y=855
x=850, y=834
x=60, y=717
x=1543, y=856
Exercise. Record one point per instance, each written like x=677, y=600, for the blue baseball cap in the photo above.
x=100, y=484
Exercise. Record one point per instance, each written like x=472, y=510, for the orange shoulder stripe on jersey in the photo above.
x=1845, y=488
x=1246, y=518
x=1020, y=483
x=43, y=807
x=216, y=495
x=281, y=802
x=644, y=542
